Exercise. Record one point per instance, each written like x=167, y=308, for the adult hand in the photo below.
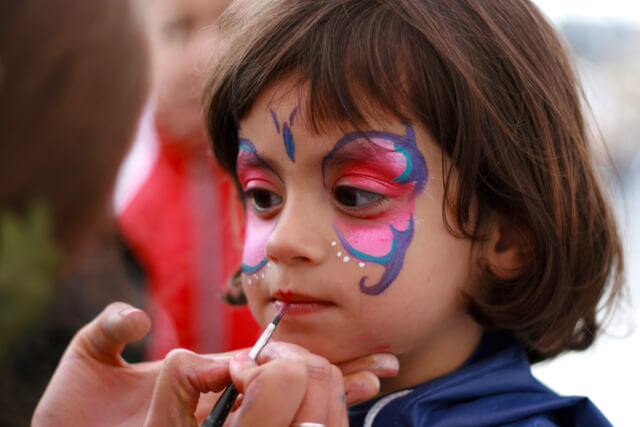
x=293, y=385
x=92, y=384
x=290, y=385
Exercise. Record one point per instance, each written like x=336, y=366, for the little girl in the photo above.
x=418, y=180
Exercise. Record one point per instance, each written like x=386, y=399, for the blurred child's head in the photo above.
x=416, y=171
x=73, y=79
x=185, y=39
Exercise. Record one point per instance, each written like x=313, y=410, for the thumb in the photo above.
x=104, y=338
x=183, y=377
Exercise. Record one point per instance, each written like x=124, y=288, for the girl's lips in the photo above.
x=306, y=307
x=300, y=304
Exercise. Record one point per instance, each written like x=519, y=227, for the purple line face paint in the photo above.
x=248, y=155
x=292, y=116
x=275, y=119
x=401, y=168
x=287, y=136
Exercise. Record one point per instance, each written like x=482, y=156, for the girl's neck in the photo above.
x=443, y=353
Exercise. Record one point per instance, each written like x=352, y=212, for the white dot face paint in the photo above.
x=346, y=259
x=250, y=282
x=262, y=275
x=334, y=243
x=339, y=254
x=361, y=264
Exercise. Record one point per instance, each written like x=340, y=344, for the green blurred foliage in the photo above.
x=29, y=258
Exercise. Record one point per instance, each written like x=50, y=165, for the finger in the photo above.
x=272, y=392
x=183, y=377
x=380, y=364
x=325, y=392
x=361, y=375
x=360, y=386
x=327, y=382
x=207, y=401
x=104, y=338
x=324, y=401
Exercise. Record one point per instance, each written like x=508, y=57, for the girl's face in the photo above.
x=349, y=230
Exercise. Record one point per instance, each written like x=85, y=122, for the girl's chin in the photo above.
x=333, y=352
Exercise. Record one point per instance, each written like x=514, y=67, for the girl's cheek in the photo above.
x=374, y=238
x=257, y=234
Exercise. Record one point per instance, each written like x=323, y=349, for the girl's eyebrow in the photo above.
x=254, y=159
x=367, y=150
x=344, y=157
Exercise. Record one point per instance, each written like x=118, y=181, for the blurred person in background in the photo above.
x=61, y=257
x=176, y=206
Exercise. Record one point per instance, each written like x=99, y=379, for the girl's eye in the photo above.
x=352, y=197
x=262, y=200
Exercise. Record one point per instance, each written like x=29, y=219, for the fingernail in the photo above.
x=362, y=385
x=387, y=363
x=127, y=311
x=243, y=358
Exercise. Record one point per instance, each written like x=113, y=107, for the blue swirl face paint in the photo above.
x=288, y=142
x=392, y=261
x=379, y=243
x=287, y=136
x=250, y=269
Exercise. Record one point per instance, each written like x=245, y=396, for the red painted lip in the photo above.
x=294, y=297
x=300, y=303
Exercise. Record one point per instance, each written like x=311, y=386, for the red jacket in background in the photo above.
x=185, y=224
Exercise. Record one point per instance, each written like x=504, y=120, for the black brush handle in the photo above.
x=221, y=409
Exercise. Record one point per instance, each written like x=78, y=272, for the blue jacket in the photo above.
x=494, y=387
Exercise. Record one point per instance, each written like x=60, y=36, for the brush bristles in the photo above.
x=283, y=308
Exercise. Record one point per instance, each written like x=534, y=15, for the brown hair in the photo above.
x=73, y=79
x=493, y=83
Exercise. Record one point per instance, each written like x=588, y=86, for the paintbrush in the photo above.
x=221, y=409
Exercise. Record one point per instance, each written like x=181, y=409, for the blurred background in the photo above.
x=605, y=39
x=172, y=241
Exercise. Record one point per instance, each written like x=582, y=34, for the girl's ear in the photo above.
x=507, y=248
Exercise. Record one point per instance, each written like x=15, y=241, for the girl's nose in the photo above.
x=297, y=238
